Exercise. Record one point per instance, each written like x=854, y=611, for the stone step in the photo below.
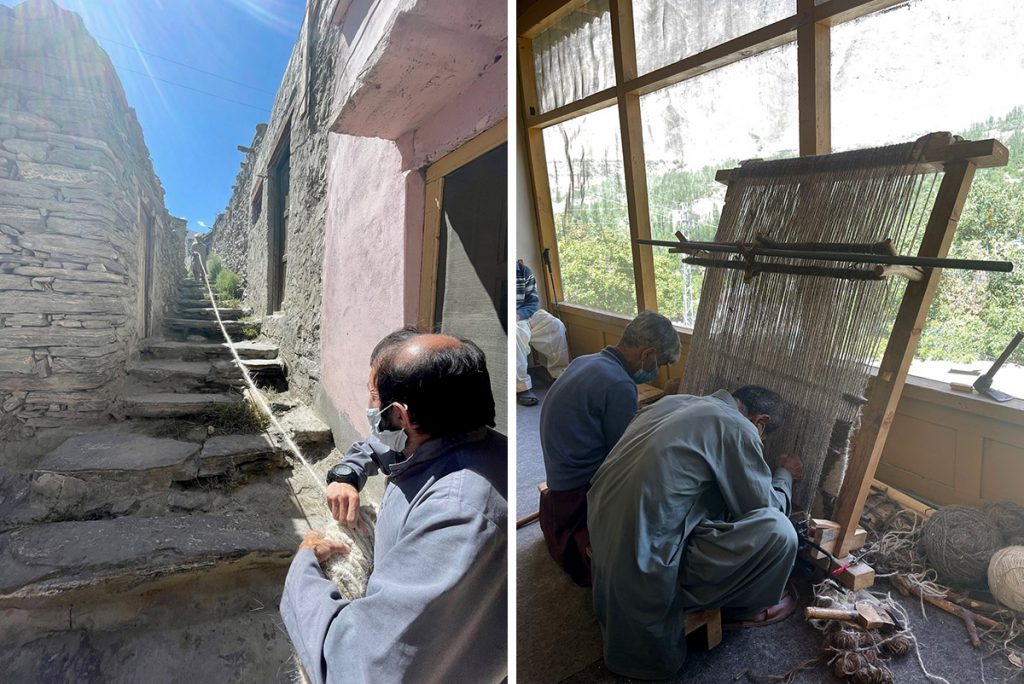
x=229, y=453
x=260, y=367
x=203, y=325
x=63, y=562
x=199, y=351
x=118, y=456
x=193, y=303
x=227, y=314
x=171, y=405
x=159, y=370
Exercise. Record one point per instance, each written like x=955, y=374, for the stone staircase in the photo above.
x=160, y=530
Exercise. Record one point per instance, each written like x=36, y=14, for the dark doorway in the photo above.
x=277, y=219
x=472, y=264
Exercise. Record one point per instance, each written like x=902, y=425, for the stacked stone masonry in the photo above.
x=79, y=206
x=241, y=234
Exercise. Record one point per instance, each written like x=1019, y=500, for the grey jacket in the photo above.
x=435, y=608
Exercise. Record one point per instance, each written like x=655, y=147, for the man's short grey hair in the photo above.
x=650, y=329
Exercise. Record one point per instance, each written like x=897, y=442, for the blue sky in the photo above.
x=192, y=137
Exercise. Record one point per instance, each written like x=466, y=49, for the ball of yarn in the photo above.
x=958, y=542
x=1009, y=518
x=1006, y=577
x=848, y=663
x=898, y=645
x=873, y=674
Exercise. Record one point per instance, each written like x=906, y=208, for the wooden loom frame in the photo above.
x=810, y=28
x=958, y=162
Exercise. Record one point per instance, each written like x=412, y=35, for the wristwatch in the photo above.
x=344, y=474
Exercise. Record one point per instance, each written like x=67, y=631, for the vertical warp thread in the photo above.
x=810, y=339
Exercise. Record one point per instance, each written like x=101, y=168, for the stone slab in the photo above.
x=202, y=324
x=206, y=350
x=305, y=427
x=208, y=313
x=112, y=452
x=226, y=452
x=47, y=561
x=163, y=369
x=169, y=405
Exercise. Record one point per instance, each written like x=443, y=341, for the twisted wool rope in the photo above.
x=958, y=541
x=351, y=571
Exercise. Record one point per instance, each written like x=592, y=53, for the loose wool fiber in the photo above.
x=958, y=542
x=1006, y=577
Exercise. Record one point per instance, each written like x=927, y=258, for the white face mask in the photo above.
x=392, y=439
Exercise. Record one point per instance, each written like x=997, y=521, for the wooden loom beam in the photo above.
x=982, y=153
x=884, y=392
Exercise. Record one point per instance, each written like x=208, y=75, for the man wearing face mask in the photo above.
x=584, y=414
x=685, y=515
x=435, y=603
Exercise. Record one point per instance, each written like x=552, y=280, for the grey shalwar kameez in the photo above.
x=684, y=514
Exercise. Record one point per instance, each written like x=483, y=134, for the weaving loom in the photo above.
x=809, y=328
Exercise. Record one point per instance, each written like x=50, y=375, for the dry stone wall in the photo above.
x=79, y=206
x=241, y=234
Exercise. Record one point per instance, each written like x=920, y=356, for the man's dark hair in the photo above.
x=447, y=389
x=761, y=401
x=392, y=339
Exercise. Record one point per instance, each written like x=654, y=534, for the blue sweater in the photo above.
x=584, y=414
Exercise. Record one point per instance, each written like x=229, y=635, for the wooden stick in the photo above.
x=522, y=522
x=970, y=619
x=904, y=500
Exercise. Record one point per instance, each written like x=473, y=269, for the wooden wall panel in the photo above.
x=1002, y=471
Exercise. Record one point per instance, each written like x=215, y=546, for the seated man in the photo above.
x=685, y=515
x=583, y=416
x=537, y=328
x=435, y=607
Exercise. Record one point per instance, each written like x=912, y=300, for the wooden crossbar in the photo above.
x=983, y=154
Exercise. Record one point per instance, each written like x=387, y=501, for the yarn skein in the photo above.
x=958, y=542
x=1006, y=577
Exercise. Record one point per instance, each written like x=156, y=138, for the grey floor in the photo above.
x=558, y=639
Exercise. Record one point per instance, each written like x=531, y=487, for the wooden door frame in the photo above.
x=434, y=194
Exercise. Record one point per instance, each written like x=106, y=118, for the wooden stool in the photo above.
x=704, y=629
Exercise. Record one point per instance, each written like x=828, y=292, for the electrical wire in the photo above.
x=183, y=64
x=182, y=85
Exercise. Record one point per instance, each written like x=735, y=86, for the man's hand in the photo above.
x=324, y=549
x=793, y=464
x=343, y=500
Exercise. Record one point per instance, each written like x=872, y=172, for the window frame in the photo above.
x=809, y=27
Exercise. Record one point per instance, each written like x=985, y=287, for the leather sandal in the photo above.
x=770, y=615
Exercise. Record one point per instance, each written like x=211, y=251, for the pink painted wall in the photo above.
x=365, y=253
x=401, y=105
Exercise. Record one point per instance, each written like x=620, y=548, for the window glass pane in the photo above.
x=573, y=58
x=745, y=110
x=667, y=31
x=588, y=198
x=948, y=65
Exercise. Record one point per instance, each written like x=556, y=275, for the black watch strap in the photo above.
x=344, y=474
